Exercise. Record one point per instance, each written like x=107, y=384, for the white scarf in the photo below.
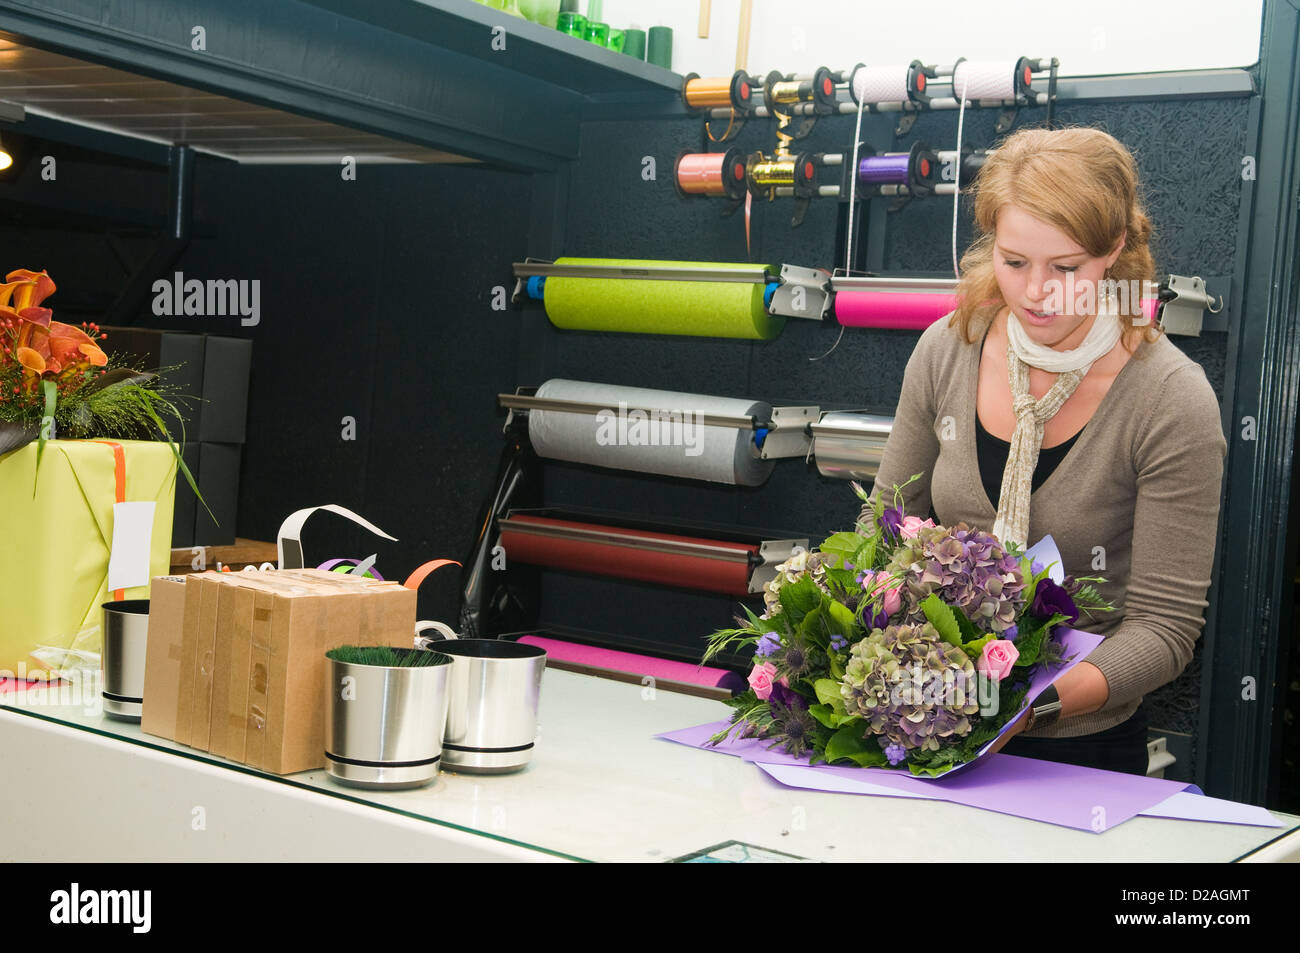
x=1012, y=523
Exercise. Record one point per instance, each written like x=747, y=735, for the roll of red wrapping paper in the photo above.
x=911, y=312
x=628, y=561
x=630, y=662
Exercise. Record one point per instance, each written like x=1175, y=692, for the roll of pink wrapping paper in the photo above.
x=890, y=309
x=628, y=662
x=910, y=312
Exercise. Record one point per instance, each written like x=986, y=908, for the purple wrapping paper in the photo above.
x=1083, y=798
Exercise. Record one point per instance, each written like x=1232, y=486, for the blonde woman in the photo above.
x=1048, y=404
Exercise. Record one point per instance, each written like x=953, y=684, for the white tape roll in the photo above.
x=880, y=84
x=623, y=438
x=984, y=79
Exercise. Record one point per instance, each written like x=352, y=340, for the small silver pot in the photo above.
x=384, y=724
x=493, y=690
x=126, y=630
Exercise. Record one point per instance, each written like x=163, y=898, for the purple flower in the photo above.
x=1035, y=567
x=895, y=753
x=1049, y=599
x=767, y=644
x=891, y=521
x=787, y=698
x=880, y=619
x=1012, y=633
x=839, y=643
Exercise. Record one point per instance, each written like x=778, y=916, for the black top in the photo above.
x=993, y=460
x=993, y=452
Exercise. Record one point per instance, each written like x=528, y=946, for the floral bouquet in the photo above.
x=54, y=376
x=900, y=643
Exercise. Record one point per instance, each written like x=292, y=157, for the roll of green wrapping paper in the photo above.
x=725, y=309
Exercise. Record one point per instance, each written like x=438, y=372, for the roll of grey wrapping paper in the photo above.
x=673, y=443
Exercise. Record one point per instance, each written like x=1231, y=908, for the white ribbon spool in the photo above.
x=984, y=79
x=880, y=84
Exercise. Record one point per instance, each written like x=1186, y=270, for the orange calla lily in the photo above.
x=30, y=360
x=28, y=288
x=70, y=345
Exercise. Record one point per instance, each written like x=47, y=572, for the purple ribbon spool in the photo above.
x=883, y=170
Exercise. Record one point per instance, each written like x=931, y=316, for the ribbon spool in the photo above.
x=779, y=90
x=711, y=173
x=767, y=174
x=918, y=169
x=975, y=80
x=890, y=84
x=736, y=92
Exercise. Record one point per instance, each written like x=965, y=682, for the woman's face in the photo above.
x=1043, y=274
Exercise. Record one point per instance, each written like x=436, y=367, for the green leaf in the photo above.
x=1030, y=645
x=828, y=693
x=941, y=617
x=968, y=630
x=800, y=597
x=843, y=545
x=847, y=742
x=845, y=622
x=51, y=391
x=976, y=648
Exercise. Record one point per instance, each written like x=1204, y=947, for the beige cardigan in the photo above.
x=1135, y=500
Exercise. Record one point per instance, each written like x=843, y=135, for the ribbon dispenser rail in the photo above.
x=730, y=567
x=696, y=436
x=699, y=299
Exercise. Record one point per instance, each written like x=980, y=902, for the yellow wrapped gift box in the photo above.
x=55, y=545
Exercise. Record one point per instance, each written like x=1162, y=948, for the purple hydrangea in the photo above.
x=968, y=569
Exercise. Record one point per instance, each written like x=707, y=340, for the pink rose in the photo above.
x=910, y=526
x=761, y=677
x=997, y=659
x=893, y=600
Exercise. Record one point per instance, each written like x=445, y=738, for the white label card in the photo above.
x=128, y=560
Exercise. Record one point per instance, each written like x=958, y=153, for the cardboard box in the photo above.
x=252, y=661
x=162, y=667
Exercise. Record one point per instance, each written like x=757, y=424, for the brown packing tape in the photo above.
x=205, y=654
x=189, y=662
x=241, y=674
x=234, y=608
x=162, y=671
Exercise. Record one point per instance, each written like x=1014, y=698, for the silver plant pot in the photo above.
x=494, y=689
x=126, y=630
x=384, y=724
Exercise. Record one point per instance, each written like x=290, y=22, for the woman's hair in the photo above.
x=1082, y=181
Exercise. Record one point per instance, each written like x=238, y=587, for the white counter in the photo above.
x=82, y=787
